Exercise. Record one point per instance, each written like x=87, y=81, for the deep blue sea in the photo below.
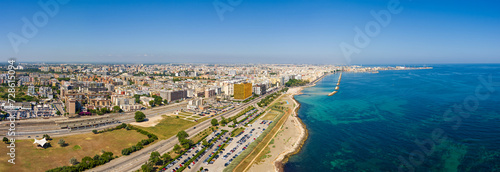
x=441, y=119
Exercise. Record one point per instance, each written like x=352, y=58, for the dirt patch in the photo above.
x=280, y=145
x=286, y=141
x=30, y=158
x=151, y=121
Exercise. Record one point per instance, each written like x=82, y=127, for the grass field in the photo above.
x=29, y=158
x=168, y=127
x=271, y=115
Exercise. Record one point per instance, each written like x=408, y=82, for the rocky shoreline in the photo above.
x=283, y=158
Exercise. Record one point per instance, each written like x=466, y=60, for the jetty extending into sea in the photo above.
x=337, y=87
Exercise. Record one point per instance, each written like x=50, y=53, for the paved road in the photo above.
x=124, y=118
x=134, y=161
x=59, y=107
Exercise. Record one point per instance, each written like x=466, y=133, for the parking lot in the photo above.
x=181, y=161
x=236, y=146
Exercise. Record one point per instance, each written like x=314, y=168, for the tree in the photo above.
x=296, y=82
x=187, y=143
x=5, y=140
x=139, y=116
x=154, y=157
x=117, y=109
x=214, y=122
x=147, y=167
x=182, y=135
x=126, y=151
x=158, y=100
x=94, y=131
x=47, y=137
x=177, y=148
x=152, y=103
x=223, y=121
x=58, y=112
x=205, y=143
x=61, y=142
x=166, y=157
x=73, y=161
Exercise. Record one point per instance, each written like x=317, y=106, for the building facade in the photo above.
x=242, y=91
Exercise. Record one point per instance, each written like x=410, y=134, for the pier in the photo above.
x=337, y=87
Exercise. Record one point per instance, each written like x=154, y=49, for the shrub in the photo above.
x=73, y=161
x=61, y=142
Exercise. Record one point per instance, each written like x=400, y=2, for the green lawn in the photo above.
x=169, y=126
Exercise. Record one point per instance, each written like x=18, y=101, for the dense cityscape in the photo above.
x=70, y=100
x=70, y=90
x=249, y=86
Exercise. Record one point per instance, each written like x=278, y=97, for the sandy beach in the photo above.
x=300, y=126
x=286, y=142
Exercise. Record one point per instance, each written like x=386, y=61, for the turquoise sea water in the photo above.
x=442, y=119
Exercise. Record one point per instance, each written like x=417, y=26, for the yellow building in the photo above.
x=242, y=91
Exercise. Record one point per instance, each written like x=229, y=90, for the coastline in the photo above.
x=289, y=142
x=282, y=159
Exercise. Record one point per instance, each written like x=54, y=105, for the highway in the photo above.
x=135, y=160
x=128, y=117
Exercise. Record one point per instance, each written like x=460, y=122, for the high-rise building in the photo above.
x=170, y=95
x=72, y=106
x=209, y=93
x=242, y=91
x=259, y=89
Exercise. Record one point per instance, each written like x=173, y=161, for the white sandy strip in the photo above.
x=302, y=133
x=150, y=123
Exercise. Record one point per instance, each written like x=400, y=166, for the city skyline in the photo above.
x=293, y=32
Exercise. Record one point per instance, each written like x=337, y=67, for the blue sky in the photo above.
x=257, y=31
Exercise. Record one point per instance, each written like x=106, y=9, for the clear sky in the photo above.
x=255, y=31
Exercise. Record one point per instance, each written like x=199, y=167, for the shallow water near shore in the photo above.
x=376, y=120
